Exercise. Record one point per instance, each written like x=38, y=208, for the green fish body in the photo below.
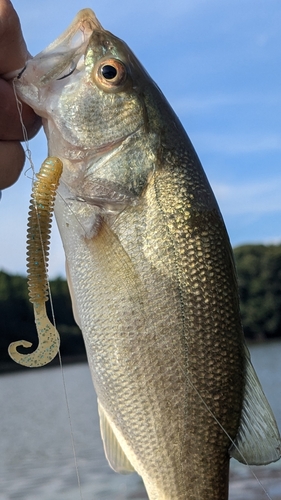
x=150, y=270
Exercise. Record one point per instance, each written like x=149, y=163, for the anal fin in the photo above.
x=113, y=451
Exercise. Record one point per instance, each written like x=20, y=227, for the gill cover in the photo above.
x=38, y=241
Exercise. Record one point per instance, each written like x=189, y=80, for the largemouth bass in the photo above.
x=150, y=270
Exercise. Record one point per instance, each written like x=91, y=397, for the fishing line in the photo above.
x=117, y=256
x=219, y=424
x=71, y=428
x=201, y=397
x=29, y=158
x=24, y=131
x=226, y=433
x=192, y=385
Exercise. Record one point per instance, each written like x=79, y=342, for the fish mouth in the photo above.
x=64, y=55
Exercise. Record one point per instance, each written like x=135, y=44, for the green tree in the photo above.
x=259, y=277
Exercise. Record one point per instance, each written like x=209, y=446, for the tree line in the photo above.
x=259, y=278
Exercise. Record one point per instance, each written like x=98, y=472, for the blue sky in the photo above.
x=218, y=63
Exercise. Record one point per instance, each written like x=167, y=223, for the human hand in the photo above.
x=13, y=55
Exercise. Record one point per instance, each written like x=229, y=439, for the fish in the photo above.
x=150, y=271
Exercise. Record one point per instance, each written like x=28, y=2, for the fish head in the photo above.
x=91, y=92
x=37, y=79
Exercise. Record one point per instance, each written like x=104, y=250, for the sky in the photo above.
x=218, y=64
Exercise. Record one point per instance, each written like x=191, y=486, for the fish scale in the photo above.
x=150, y=271
x=200, y=347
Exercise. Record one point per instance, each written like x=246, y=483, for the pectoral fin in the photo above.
x=72, y=296
x=258, y=440
x=113, y=451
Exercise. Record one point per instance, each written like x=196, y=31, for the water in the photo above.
x=266, y=359
x=36, y=456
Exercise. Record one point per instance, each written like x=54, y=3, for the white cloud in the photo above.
x=205, y=103
x=234, y=144
x=254, y=198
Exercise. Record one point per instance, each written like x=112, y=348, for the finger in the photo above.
x=10, y=124
x=13, y=52
x=12, y=158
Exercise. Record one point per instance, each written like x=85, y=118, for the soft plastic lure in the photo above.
x=38, y=242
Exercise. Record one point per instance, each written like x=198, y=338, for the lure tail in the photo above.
x=38, y=242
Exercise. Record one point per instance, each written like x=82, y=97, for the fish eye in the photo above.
x=110, y=74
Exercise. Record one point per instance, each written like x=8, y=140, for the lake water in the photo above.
x=36, y=454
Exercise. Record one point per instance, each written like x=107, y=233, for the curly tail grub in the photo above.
x=38, y=241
